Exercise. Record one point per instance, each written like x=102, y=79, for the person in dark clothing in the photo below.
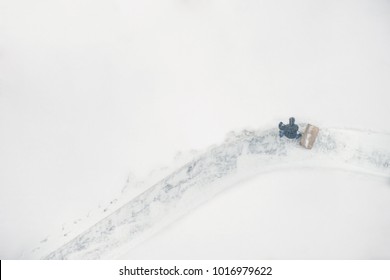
x=289, y=130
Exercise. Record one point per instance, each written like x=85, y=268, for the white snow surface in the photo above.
x=299, y=213
x=240, y=157
x=101, y=100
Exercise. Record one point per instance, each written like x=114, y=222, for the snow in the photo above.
x=238, y=158
x=95, y=95
x=300, y=213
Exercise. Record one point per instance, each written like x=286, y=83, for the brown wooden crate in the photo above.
x=309, y=136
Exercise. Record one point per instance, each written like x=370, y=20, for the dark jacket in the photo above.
x=289, y=130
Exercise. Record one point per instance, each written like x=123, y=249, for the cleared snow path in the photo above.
x=239, y=157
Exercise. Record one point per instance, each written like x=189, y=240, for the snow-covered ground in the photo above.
x=299, y=213
x=240, y=157
x=95, y=95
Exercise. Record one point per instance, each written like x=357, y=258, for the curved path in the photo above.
x=239, y=157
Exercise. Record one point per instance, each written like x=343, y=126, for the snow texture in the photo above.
x=241, y=156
